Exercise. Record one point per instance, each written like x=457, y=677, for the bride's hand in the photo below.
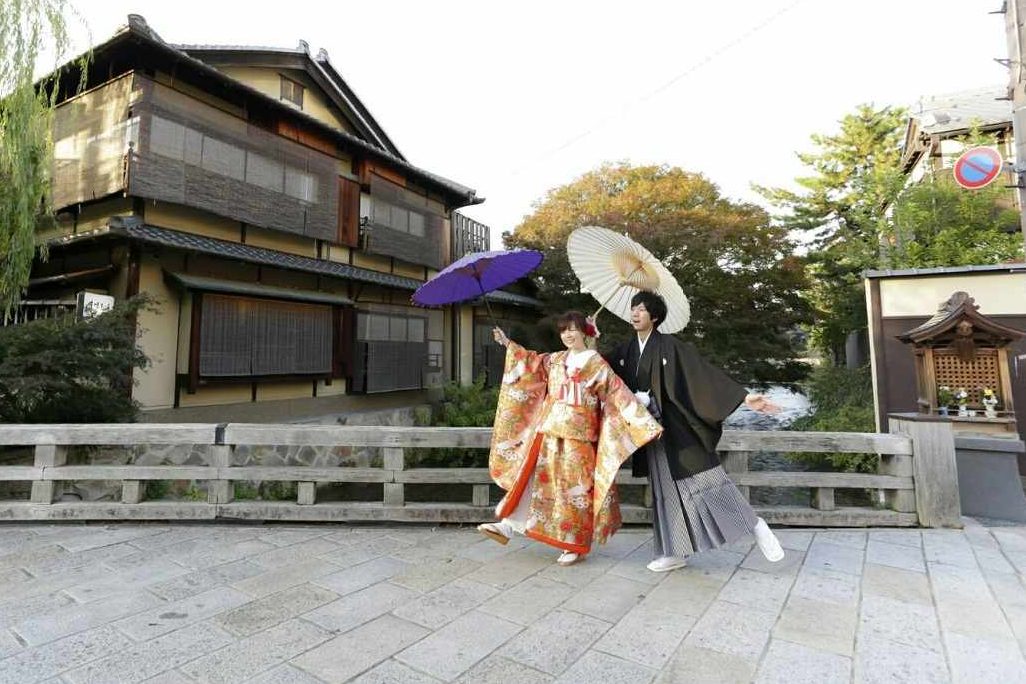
x=500, y=336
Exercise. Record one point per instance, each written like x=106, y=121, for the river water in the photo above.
x=793, y=405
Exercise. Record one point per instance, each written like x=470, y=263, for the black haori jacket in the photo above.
x=693, y=396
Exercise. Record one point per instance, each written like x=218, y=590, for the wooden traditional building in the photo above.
x=278, y=226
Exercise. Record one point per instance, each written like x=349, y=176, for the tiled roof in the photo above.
x=958, y=111
x=194, y=282
x=167, y=237
x=256, y=255
x=512, y=298
x=138, y=28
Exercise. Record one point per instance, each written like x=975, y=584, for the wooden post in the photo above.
x=934, y=468
x=132, y=491
x=823, y=498
x=47, y=456
x=307, y=493
x=394, y=491
x=737, y=462
x=220, y=491
x=900, y=465
x=482, y=495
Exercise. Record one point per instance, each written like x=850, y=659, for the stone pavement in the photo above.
x=332, y=603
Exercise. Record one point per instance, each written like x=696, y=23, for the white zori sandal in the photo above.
x=768, y=542
x=500, y=531
x=569, y=558
x=666, y=564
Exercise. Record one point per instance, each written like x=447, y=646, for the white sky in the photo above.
x=513, y=99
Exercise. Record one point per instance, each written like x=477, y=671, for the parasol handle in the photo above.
x=488, y=306
x=623, y=282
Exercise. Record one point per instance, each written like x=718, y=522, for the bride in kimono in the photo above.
x=564, y=424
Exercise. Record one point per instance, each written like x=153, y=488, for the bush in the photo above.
x=842, y=401
x=63, y=370
x=462, y=406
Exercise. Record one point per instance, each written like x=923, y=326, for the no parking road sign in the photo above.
x=978, y=167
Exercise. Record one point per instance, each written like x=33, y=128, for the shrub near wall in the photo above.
x=462, y=406
x=63, y=370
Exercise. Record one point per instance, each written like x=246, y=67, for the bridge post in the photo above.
x=934, y=468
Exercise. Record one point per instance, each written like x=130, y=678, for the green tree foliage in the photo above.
x=857, y=212
x=26, y=144
x=938, y=223
x=61, y=370
x=840, y=210
x=842, y=401
x=736, y=269
x=462, y=406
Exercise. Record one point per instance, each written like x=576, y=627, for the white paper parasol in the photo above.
x=613, y=268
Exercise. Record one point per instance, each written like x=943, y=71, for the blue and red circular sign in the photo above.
x=978, y=167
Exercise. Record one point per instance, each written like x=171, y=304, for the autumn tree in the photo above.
x=736, y=269
x=26, y=147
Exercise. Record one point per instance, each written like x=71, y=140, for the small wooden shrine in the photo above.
x=961, y=349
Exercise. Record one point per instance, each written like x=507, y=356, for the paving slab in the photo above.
x=556, y=641
x=596, y=666
x=298, y=604
x=445, y=604
x=348, y=655
x=452, y=650
x=790, y=663
x=359, y=607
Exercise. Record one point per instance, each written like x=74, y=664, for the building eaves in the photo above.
x=512, y=298
x=353, y=99
x=135, y=230
x=317, y=69
x=945, y=270
x=138, y=29
x=953, y=113
x=166, y=237
x=187, y=281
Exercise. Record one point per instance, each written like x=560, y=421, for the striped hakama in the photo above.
x=699, y=513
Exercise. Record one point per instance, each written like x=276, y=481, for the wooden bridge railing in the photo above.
x=914, y=477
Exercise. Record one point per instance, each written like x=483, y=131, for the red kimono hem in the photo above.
x=512, y=497
x=565, y=546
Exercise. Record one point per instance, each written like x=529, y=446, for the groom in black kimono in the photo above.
x=696, y=507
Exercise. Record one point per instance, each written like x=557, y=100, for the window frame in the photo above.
x=289, y=88
x=340, y=354
x=366, y=338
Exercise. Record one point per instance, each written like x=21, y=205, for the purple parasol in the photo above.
x=476, y=274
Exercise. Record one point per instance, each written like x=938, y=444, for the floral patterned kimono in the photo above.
x=564, y=424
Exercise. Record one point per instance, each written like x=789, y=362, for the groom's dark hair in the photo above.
x=654, y=304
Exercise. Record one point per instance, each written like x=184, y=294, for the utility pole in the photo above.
x=1015, y=13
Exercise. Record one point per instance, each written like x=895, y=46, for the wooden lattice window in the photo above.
x=241, y=336
x=981, y=372
x=391, y=352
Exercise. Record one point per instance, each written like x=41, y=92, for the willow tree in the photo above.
x=28, y=29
